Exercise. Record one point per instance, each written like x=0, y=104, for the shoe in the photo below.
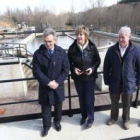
x=82, y=121
x=111, y=121
x=89, y=125
x=57, y=126
x=126, y=125
x=44, y=132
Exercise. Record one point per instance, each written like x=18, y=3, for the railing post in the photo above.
x=137, y=95
x=26, y=50
x=18, y=54
x=69, y=97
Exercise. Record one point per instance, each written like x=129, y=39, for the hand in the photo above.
x=56, y=85
x=53, y=84
x=88, y=71
x=78, y=71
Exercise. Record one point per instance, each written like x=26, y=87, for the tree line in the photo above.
x=101, y=18
x=128, y=1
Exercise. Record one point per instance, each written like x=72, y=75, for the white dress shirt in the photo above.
x=122, y=50
x=82, y=47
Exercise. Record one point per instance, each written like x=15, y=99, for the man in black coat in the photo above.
x=122, y=75
x=50, y=68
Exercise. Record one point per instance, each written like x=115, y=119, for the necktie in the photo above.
x=50, y=52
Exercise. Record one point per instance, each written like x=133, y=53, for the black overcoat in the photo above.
x=89, y=58
x=46, y=70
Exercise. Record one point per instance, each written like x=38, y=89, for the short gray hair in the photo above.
x=125, y=29
x=50, y=31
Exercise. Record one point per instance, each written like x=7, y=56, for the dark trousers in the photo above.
x=126, y=104
x=85, y=91
x=46, y=114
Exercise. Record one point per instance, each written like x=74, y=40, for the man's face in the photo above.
x=124, y=40
x=49, y=41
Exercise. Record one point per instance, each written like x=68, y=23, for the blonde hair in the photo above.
x=83, y=29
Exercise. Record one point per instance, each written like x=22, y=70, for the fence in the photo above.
x=68, y=111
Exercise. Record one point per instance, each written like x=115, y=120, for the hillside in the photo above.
x=6, y=24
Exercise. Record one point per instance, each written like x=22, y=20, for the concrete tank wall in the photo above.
x=12, y=89
x=28, y=74
x=100, y=80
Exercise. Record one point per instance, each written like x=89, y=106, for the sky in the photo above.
x=57, y=6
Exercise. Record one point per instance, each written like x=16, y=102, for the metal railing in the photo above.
x=13, y=52
x=68, y=111
x=12, y=45
x=99, y=48
x=19, y=48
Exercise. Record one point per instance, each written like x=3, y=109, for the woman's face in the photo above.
x=81, y=38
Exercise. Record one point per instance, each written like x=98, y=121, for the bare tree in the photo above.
x=96, y=3
x=99, y=17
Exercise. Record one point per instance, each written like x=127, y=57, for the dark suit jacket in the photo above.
x=88, y=59
x=126, y=74
x=46, y=70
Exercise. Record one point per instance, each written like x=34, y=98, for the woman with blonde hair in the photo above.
x=84, y=60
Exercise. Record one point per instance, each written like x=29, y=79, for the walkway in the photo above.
x=71, y=130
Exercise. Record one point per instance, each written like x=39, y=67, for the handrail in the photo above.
x=69, y=97
x=69, y=88
x=99, y=48
x=68, y=112
x=29, y=66
x=26, y=50
x=19, y=48
x=16, y=80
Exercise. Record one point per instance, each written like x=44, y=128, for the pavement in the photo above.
x=71, y=130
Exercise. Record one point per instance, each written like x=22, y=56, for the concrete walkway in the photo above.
x=71, y=130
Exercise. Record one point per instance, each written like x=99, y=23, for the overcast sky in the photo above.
x=56, y=6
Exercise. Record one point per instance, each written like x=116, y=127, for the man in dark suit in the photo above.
x=50, y=68
x=122, y=75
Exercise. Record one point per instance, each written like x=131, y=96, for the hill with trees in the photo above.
x=128, y=1
x=99, y=17
x=4, y=23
